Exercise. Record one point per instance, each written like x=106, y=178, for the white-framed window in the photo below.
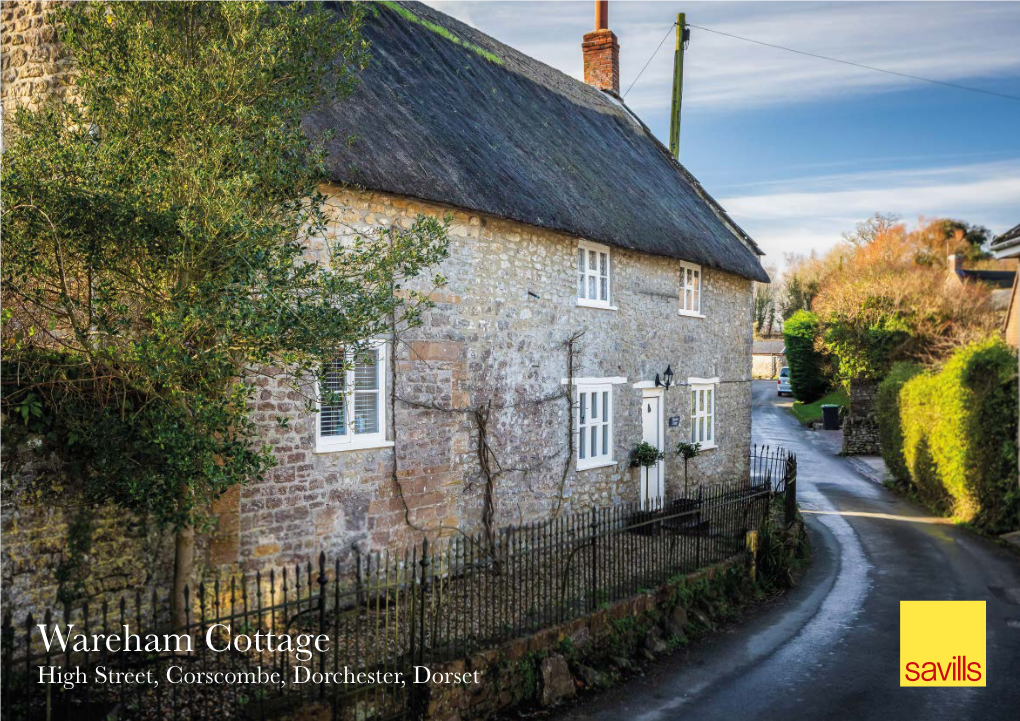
x=352, y=410
x=690, y=289
x=594, y=425
x=594, y=276
x=703, y=412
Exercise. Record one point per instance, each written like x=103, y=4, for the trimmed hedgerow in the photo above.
x=807, y=366
x=960, y=435
x=887, y=411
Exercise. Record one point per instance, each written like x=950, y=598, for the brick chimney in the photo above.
x=602, y=52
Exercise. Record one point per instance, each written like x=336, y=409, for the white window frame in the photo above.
x=602, y=422
x=703, y=407
x=695, y=271
x=351, y=441
x=585, y=275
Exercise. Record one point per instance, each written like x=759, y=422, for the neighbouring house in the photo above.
x=1001, y=282
x=585, y=261
x=767, y=357
x=1007, y=247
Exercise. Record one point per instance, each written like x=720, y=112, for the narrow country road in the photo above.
x=830, y=650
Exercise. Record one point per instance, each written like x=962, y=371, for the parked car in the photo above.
x=783, y=384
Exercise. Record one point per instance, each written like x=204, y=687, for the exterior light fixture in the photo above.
x=667, y=378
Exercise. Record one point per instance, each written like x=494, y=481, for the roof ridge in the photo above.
x=436, y=118
x=684, y=173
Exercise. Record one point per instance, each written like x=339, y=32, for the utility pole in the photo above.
x=683, y=35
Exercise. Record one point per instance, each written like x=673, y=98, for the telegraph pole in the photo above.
x=682, y=37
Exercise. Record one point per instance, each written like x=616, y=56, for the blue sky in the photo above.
x=799, y=149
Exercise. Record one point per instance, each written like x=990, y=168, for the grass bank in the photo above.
x=808, y=413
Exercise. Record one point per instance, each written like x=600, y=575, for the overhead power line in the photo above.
x=853, y=64
x=657, y=48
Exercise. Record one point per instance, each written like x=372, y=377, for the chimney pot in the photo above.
x=602, y=52
x=955, y=263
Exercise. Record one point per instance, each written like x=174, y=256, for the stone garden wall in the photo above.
x=33, y=66
x=860, y=427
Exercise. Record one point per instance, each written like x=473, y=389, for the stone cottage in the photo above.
x=586, y=267
x=584, y=263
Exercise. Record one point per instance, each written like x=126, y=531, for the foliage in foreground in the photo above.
x=154, y=261
x=959, y=434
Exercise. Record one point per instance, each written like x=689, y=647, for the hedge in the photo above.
x=959, y=430
x=807, y=376
x=887, y=411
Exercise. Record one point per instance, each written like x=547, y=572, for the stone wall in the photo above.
x=43, y=548
x=766, y=365
x=33, y=66
x=860, y=427
x=593, y=651
x=497, y=335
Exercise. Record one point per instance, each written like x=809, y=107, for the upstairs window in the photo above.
x=690, y=290
x=593, y=275
x=594, y=425
x=351, y=395
x=703, y=414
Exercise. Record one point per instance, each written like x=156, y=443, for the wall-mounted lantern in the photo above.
x=667, y=378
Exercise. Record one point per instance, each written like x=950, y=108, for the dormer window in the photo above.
x=593, y=275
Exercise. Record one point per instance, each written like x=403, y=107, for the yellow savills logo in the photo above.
x=942, y=643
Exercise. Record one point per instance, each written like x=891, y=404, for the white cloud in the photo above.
x=790, y=219
x=945, y=41
x=942, y=41
x=970, y=43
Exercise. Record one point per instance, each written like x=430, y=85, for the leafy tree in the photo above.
x=867, y=231
x=935, y=240
x=764, y=308
x=808, y=380
x=155, y=261
x=800, y=292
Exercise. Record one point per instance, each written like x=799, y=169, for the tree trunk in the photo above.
x=184, y=564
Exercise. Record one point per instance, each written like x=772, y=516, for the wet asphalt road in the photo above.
x=830, y=649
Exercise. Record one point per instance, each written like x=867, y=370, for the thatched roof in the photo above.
x=448, y=114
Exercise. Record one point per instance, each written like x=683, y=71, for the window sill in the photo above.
x=585, y=303
x=353, y=446
x=593, y=466
x=709, y=448
x=691, y=314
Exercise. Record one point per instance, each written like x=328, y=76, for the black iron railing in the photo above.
x=434, y=602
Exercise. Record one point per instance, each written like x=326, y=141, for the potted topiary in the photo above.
x=682, y=510
x=644, y=455
x=687, y=451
